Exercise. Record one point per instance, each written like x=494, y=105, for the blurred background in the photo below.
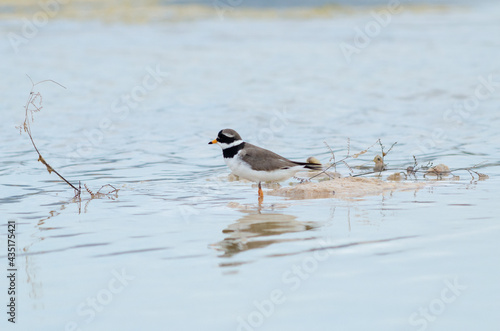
x=147, y=84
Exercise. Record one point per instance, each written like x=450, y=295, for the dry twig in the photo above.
x=33, y=105
x=428, y=169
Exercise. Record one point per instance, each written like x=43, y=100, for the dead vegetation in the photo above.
x=410, y=172
x=329, y=183
x=34, y=105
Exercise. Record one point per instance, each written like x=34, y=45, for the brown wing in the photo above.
x=264, y=160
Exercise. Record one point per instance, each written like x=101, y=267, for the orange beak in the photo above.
x=213, y=142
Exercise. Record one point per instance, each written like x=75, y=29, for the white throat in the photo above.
x=234, y=143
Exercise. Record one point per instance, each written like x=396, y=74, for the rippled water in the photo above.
x=183, y=248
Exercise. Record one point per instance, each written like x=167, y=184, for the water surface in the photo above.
x=183, y=248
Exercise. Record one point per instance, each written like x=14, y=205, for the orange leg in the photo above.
x=261, y=194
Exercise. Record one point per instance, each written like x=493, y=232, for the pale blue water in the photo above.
x=182, y=248
x=318, y=3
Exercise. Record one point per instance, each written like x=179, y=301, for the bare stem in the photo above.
x=35, y=101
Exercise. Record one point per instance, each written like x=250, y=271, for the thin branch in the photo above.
x=384, y=154
x=333, y=156
x=33, y=105
x=35, y=99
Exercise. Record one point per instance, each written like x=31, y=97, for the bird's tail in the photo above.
x=312, y=163
x=313, y=166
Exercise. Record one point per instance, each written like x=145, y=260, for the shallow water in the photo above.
x=183, y=248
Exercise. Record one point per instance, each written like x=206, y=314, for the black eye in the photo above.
x=223, y=138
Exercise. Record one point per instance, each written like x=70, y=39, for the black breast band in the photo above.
x=232, y=151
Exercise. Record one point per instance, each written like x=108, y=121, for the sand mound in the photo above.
x=347, y=187
x=439, y=170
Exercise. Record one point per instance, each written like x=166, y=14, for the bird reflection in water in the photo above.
x=258, y=230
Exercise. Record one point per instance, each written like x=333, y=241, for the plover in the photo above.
x=255, y=163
